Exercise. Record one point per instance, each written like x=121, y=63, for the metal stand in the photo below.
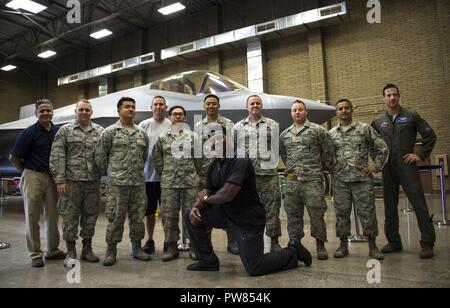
x=408, y=208
x=356, y=238
x=183, y=246
x=3, y=245
x=444, y=221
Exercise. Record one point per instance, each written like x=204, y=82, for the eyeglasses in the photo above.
x=177, y=114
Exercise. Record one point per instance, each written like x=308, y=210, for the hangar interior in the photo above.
x=322, y=50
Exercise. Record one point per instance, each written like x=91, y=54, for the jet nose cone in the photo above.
x=317, y=112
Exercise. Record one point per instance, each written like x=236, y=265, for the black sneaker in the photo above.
x=58, y=256
x=149, y=247
x=38, y=262
x=392, y=247
x=303, y=254
x=203, y=267
x=233, y=248
x=4, y=245
x=426, y=252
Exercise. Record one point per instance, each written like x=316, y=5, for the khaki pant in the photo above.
x=39, y=195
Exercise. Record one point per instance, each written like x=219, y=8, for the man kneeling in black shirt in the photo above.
x=231, y=201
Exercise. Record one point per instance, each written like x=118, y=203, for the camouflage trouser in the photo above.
x=202, y=182
x=312, y=195
x=121, y=200
x=363, y=196
x=80, y=204
x=268, y=187
x=172, y=201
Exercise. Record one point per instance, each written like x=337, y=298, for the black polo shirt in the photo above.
x=246, y=209
x=33, y=146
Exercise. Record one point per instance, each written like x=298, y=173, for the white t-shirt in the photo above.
x=153, y=130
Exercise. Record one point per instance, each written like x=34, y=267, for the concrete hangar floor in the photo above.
x=396, y=270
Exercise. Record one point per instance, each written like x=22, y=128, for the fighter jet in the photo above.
x=186, y=89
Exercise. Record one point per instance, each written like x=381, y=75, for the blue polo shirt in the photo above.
x=33, y=146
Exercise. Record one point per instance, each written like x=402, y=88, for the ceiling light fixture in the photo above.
x=7, y=68
x=26, y=5
x=100, y=34
x=47, y=54
x=170, y=9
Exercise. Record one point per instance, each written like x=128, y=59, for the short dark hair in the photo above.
x=390, y=86
x=41, y=101
x=161, y=97
x=82, y=101
x=297, y=101
x=211, y=95
x=125, y=99
x=254, y=95
x=344, y=100
x=175, y=107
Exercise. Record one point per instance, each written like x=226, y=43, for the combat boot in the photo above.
x=71, y=255
x=87, y=254
x=232, y=246
x=172, y=252
x=374, y=253
x=426, y=251
x=392, y=247
x=110, y=256
x=342, y=250
x=274, y=245
x=138, y=253
x=322, y=253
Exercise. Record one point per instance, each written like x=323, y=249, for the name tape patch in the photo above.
x=401, y=120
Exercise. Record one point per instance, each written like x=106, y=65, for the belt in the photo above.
x=40, y=171
x=291, y=176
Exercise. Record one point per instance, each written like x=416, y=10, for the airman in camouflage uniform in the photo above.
x=257, y=133
x=120, y=155
x=353, y=179
x=204, y=129
x=72, y=164
x=306, y=150
x=173, y=158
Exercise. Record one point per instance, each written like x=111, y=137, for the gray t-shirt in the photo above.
x=153, y=130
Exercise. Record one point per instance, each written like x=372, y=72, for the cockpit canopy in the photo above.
x=196, y=83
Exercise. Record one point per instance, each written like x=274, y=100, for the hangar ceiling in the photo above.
x=23, y=35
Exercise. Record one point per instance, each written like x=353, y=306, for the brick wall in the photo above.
x=234, y=65
x=288, y=70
